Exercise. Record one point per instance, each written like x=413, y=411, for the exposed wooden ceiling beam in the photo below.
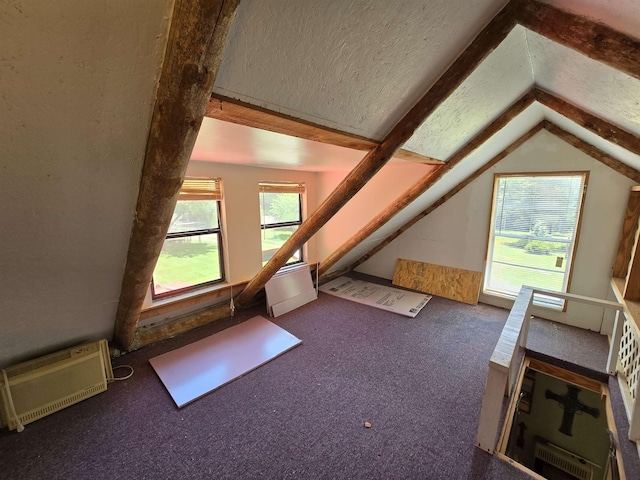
x=591, y=122
x=380, y=219
x=197, y=37
x=234, y=111
x=595, y=40
x=427, y=181
x=593, y=152
x=627, y=236
x=590, y=150
x=447, y=195
x=486, y=41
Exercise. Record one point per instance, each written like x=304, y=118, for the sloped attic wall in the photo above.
x=462, y=243
x=385, y=187
x=77, y=91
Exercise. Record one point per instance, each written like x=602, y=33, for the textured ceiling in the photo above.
x=619, y=153
x=520, y=125
x=499, y=80
x=597, y=88
x=226, y=142
x=359, y=66
x=356, y=66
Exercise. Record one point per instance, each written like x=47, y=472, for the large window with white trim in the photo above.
x=534, y=228
x=280, y=217
x=191, y=256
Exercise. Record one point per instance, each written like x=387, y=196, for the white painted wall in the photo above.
x=388, y=184
x=241, y=211
x=241, y=221
x=76, y=94
x=456, y=234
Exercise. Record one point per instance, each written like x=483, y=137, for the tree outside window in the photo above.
x=534, y=229
x=280, y=217
x=191, y=256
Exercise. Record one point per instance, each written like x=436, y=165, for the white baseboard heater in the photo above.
x=549, y=458
x=44, y=385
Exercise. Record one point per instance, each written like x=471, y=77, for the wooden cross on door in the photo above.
x=571, y=406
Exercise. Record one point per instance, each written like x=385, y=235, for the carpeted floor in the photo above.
x=419, y=382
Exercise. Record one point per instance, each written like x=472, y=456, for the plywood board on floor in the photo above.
x=379, y=296
x=448, y=282
x=196, y=369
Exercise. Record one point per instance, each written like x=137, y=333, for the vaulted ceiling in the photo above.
x=89, y=104
x=358, y=66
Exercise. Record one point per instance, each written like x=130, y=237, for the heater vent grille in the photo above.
x=42, y=386
x=563, y=460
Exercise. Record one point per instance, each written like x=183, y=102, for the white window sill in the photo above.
x=536, y=303
x=187, y=299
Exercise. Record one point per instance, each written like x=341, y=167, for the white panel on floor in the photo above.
x=293, y=303
x=378, y=296
x=191, y=371
x=289, y=289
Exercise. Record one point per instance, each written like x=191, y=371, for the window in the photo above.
x=191, y=256
x=532, y=239
x=280, y=216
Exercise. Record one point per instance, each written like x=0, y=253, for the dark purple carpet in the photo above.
x=419, y=382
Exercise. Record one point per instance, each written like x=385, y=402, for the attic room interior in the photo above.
x=166, y=163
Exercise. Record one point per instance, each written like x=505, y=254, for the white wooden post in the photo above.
x=514, y=335
x=526, y=321
x=614, y=348
x=491, y=408
x=499, y=379
x=634, y=422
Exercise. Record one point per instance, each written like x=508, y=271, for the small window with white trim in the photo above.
x=191, y=256
x=533, y=234
x=280, y=216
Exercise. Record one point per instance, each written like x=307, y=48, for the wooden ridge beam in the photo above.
x=197, y=37
x=590, y=122
x=593, y=152
x=427, y=181
x=595, y=40
x=484, y=43
x=448, y=195
x=240, y=113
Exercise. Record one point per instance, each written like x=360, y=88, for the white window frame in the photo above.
x=282, y=187
x=539, y=300
x=198, y=189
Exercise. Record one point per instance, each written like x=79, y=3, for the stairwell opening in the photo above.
x=559, y=426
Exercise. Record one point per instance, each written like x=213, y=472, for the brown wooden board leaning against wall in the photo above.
x=448, y=282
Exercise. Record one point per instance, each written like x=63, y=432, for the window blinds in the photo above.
x=201, y=189
x=540, y=206
x=534, y=230
x=282, y=187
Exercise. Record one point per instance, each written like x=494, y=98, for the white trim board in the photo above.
x=391, y=299
x=201, y=367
